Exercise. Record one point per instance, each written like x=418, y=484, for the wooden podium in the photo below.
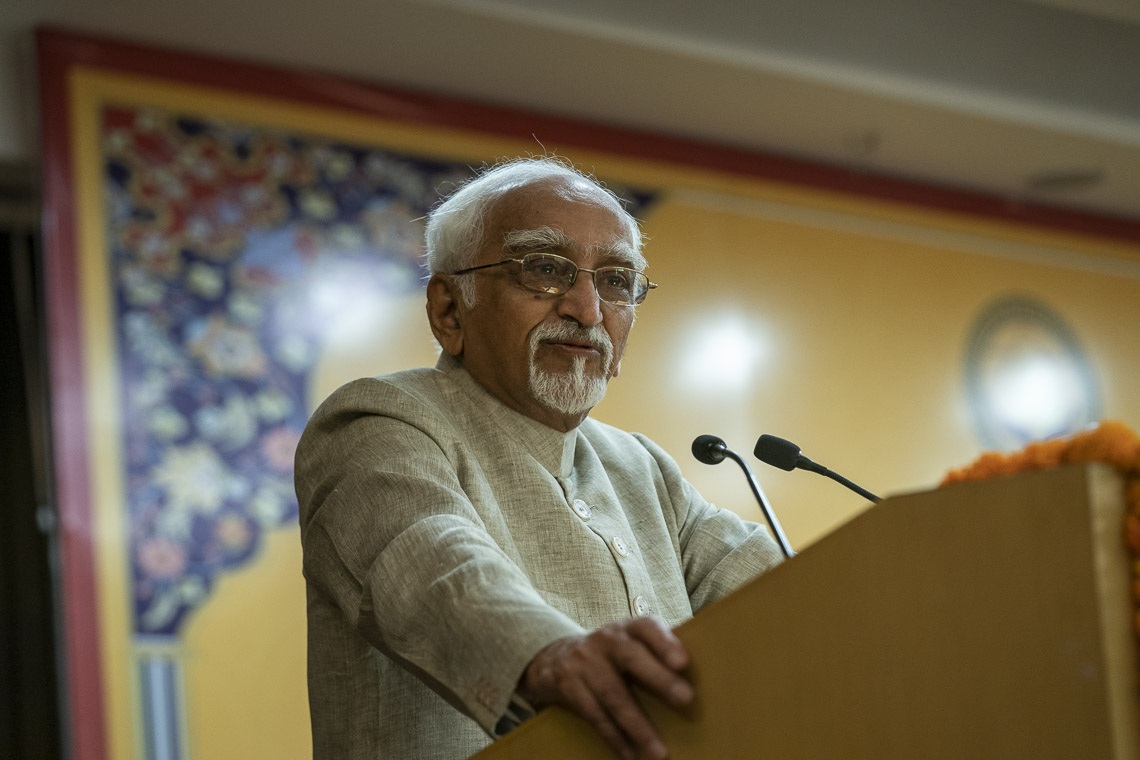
x=983, y=620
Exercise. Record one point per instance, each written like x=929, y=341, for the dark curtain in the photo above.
x=30, y=725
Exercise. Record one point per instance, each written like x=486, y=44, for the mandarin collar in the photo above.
x=553, y=449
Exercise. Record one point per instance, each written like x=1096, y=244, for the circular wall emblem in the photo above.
x=1027, y=377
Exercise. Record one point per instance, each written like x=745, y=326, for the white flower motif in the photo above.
x=199, y=227
x=253, y=195
x=317, y=204
x=167, y=423
x=279, y=164
x=148, y=341
x=174, y=524
x=267, y=506
x=205, y=280
x=347, y=237
x=171, y=184
x=273, y=405
x=151, y=390
x=245, y=308
x=294, y=352
x=147, y=121
x=117, y=141
x=340, y=164
x=195, y=478
x=206, y=169
x=237, y=489
x=161, y=611
x=192, y=590
x=140, y=288
x=231, y=425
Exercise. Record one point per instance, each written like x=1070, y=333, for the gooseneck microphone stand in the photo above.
x=712, y=450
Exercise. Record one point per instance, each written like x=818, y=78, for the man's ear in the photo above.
x=443, y=304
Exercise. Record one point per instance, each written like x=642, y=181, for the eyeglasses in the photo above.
x=553, y=274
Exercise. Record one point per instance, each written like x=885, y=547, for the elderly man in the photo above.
x=475, y=546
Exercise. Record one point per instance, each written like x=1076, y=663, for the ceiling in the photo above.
x=1028, y=100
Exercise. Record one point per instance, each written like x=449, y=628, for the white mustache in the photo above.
x=596, y=336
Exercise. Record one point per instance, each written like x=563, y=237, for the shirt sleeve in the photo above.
x=389, y=535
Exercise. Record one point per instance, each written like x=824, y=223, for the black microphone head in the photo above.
x=709, y=449
x=777, y=452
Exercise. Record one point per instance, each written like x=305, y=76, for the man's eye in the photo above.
x=618, y=279
x=546, y=266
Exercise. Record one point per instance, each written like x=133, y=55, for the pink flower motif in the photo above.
x=278, y=447
x=233, y=533
x=161, y=558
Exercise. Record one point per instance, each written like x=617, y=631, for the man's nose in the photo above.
x=582, y=302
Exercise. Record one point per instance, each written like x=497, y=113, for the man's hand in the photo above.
x=590, y=675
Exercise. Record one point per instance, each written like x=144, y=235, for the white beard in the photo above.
x=575, y=391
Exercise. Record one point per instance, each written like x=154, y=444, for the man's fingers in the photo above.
x=627, y=715
x=585, y=703
x=652, y=655
x=664, y=643
x=591, y=674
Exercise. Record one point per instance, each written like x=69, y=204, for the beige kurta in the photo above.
x=447, y=539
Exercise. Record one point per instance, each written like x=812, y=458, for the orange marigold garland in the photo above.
x=1111, y=442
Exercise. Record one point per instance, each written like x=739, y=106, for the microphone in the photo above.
x=786, y=456
x=712, y=450
x=708, y=449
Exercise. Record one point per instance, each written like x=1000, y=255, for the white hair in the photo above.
x=454, y=232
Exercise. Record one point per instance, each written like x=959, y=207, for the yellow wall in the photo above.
x=865, y=323
x=244, y=659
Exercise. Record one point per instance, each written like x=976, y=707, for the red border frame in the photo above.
x=85, y=725
x=60, y=50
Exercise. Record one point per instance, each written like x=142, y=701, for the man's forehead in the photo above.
x=617, y=248
x=552, y=213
